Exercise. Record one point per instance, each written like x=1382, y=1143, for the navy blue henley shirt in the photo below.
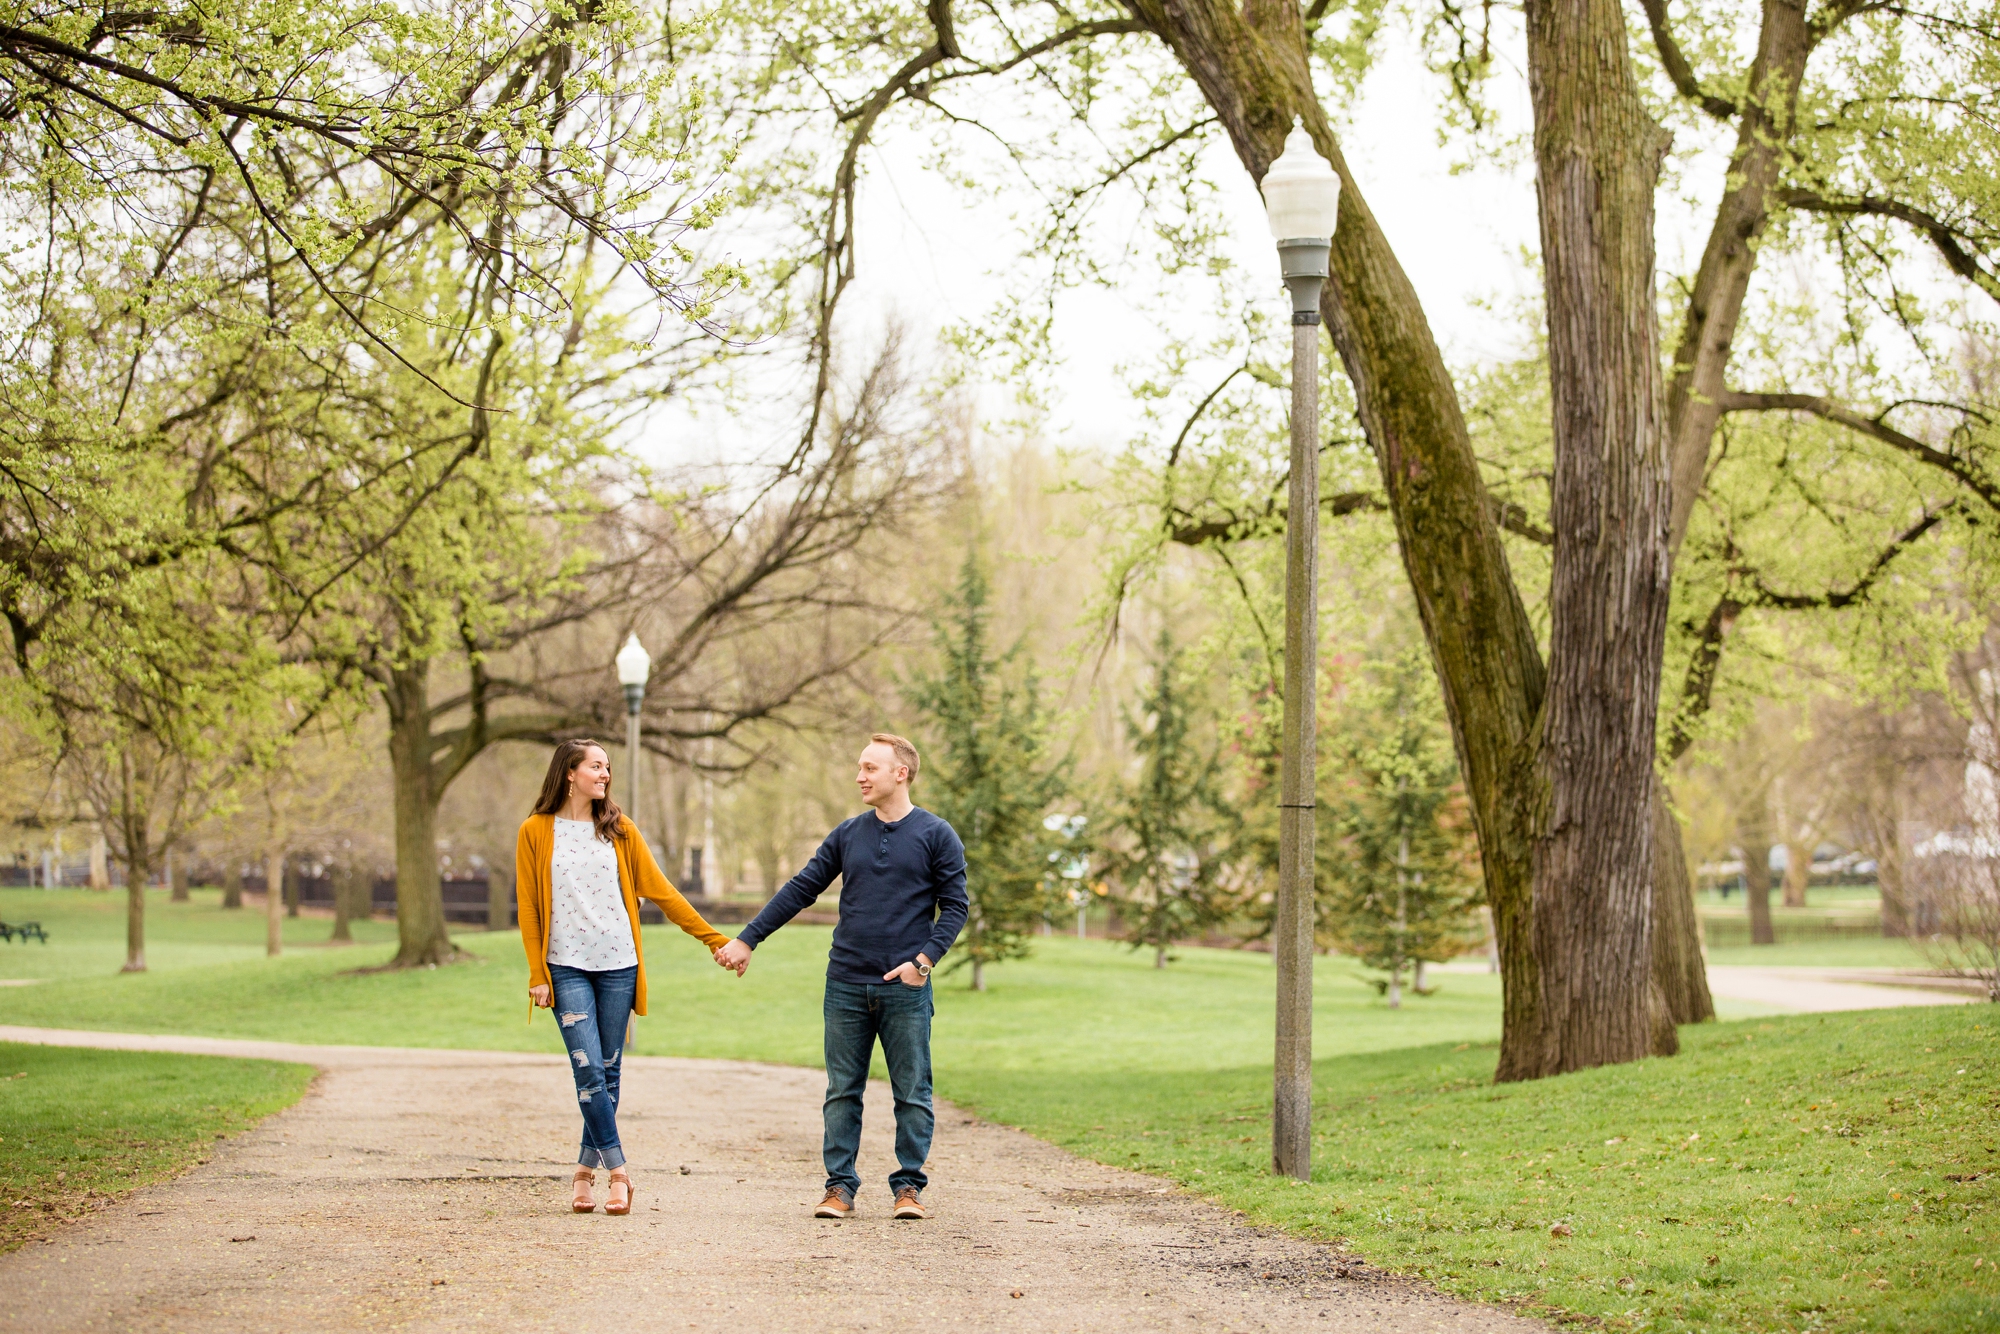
x=902, y=894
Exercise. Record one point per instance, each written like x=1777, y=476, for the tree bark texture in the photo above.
x=177, y=877
x=1292, y=922
x=291, y=888
x=420, y=927
x=1765, y=123
x=1598, y=154
x=232, y=883
x=1250, y=64
x=1679, y=972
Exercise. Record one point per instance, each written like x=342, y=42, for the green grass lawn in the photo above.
x=80, y=1128
x=87, y=932
x=1854, y=1121
x=1080, y=1005
x=1781, y=1174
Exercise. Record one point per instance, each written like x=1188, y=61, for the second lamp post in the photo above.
x=1302, y=199
x=634, y=666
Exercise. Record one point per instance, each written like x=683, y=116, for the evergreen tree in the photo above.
x=989, y=774
x=1170, y=828
x=1399, y=883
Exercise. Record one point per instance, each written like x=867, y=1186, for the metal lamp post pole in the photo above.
x=634, y=696
x=634, y=667
x=1292, y=930
x=1301, y=196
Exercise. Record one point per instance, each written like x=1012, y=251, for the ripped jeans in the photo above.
x=592, y=1009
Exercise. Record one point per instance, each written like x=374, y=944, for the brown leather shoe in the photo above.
x=835, y=1205
x=909, y=1205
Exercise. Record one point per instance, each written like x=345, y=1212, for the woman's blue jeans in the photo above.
x=856, y=1015
x=593, y=1009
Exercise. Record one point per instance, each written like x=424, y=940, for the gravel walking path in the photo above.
x=427, y=1190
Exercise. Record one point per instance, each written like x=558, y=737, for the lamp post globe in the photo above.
x=1302, y=203
x=634, y=665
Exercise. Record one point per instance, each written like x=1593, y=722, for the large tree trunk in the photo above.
x=232, y=882
x=1597, y=154
x=1250, y=65
x=177, y=877
x=420, y=926
x=293, y=873
x=1678, y=969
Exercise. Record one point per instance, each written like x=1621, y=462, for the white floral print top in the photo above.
x=588, y=927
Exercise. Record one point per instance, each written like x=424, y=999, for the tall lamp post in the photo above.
x=1302, y=199
x=634, y=666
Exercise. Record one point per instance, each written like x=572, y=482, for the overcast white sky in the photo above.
x=929, y=258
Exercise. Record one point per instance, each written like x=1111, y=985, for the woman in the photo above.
x=580, y=869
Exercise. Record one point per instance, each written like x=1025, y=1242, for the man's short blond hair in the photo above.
x=906, y=754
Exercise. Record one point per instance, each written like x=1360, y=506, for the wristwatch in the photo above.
x=923, y=969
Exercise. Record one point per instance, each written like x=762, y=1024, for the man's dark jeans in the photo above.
x=593, y=1009
x=901, y=1017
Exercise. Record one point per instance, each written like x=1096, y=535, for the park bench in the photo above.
x=23, y=930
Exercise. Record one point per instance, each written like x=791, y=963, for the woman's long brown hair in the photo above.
x=604, y=812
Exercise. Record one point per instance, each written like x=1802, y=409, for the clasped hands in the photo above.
x=735, y=956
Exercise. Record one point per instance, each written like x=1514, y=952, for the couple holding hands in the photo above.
x=581, y=869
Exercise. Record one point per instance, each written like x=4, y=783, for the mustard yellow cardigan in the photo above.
x=638, y=876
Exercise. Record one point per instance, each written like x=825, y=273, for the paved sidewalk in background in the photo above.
x=1800, y=990
x=1815, y=990
x=427, y=1190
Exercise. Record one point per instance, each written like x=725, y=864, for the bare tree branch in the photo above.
x=1951, y=242
x=1698, y=684
x=1675, y=63
x=1856, y=592
x=1967, y=473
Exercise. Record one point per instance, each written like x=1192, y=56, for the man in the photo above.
x=902, y=902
